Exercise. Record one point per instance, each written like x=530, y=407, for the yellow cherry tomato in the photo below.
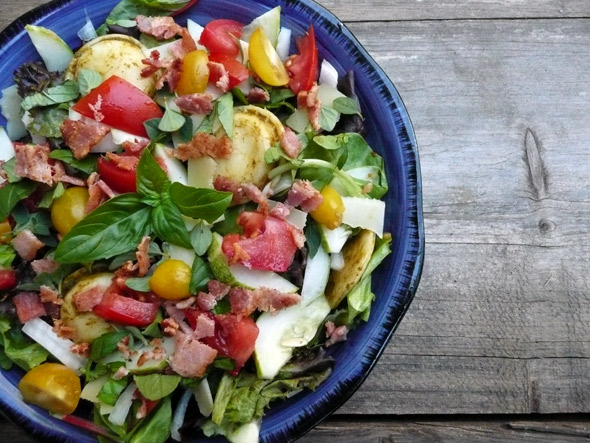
x=51, y=386
x=265, y=61
x=194, y=73
x=69, y=209
x=329, y=212
x=5, y=231
x=171, y=280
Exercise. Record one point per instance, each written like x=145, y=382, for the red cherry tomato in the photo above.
x=220, y=37
x=237, y=71
x=120, y=180
x=8, y=280
x=125, y=310
x=303, y=67
x=122, y=106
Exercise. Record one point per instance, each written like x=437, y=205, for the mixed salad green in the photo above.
x=190, y=216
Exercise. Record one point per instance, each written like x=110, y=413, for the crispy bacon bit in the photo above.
x=205, y=301
x=162, y=28
x=154, y=64
x=180, y=48
x=309, y=100
x=124, y=162
x=123, y=347
x=245, y=302
x=158, y=353
x=28, y=306
x=335, y=334
x=143, y=259
x=62, y=330
x=258, y=95
x=121, y=373
x=243, y=192
x=205, y=326
x=217, y=70
x=280, y=211
x=187, y=303
x=27, y=244
x=171, y=75
x=106, y=189
x=49, y=295
x=298, y=236
x=86, y=300
x=191, y=358
x=136, y=147
x=169, y=326
x=201, y=145
x=218, y=289
x=42, y=265
x=81, y=349
x=32, y=161
x=82, y=135
x=290, y=143
x=304, y=195
x=195, y=103
x=98, y=192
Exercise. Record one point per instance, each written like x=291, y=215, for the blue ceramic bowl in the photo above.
x=389, y=133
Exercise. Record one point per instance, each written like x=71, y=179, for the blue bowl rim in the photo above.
x=416, y=227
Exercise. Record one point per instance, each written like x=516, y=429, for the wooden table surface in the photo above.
x=496, y=345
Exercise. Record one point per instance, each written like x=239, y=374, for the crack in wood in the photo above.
x=537, y=173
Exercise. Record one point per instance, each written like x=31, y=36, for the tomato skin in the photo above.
x=237, y=71
x=171, y=280
x=125, y=310
x=329, y=213
x=123, y=106
x=251, y=222
x=219, y=37
x=8, y=279
x=265, y=60
x=69, y=209
x=194, y=73
x=303, y=67
x=118, y=179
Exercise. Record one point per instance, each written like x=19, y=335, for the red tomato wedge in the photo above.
x=237, y=71
x=272, y=249
x=118, y=179
x=303, y=67
x=220, y=37
x=125, y=310
x=8, y=280
x=122, y=106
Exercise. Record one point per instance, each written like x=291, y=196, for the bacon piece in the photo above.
x=191, y=357
x=162, y=28
x=81, y=349
x=217, y=70
x=205, y=326
x=309, y=100
x=124, y=162
x=28, y=306
x=86, y=300
x=245, y=302
x=121, y=373
x=280, y=211
x=304, y=195
x=96, y=196
x=27, y=245
x=156, y=354
x=143, y=259
x=42, y=265
x=195, y=103
x=186, y=303
x=171, y=75
x=180, y=48
x=201, y=145
x=106, y=189
x=218, y=289
x=136, y=147
x=82, y=135
x=32, y=161
x=243, y=192
x=258, y=95
x=123, y=347
x=49, y=295
x=169, y=326
x=298, y=236
x=290, y=143
x=205, y=301
x=75, y=181
x=62, y=330
x=335, y=334
x=154, y=64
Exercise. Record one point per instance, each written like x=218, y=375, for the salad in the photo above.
x=189, y=220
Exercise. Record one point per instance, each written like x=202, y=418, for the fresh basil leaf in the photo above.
x=225, y=113
x=157, y=426
x=7, y=256
x=115, y=227
x=201, y=238
x=225, y=363
x=140, y=284
x=151, y=178
x=280, y=95
x=272, y=154
x=38, y=223
x=168, y=224
x=54, y=95
x=223, y=306
x=87, y=165
x=313, y=237
x=171, y=121
x=153, y=329
x=8, y=168
x=156, y=386
x=51, y=196
x=200, y=203
x=111, y=390
x=106, y=344
x=200, y=275
x=151, y=127
x=47, y=121
x=186, y=131
x=239, y=96
x=12, y=193
x=17, y=347
x=328, y=118
x=88, y=80
x=346, y=105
